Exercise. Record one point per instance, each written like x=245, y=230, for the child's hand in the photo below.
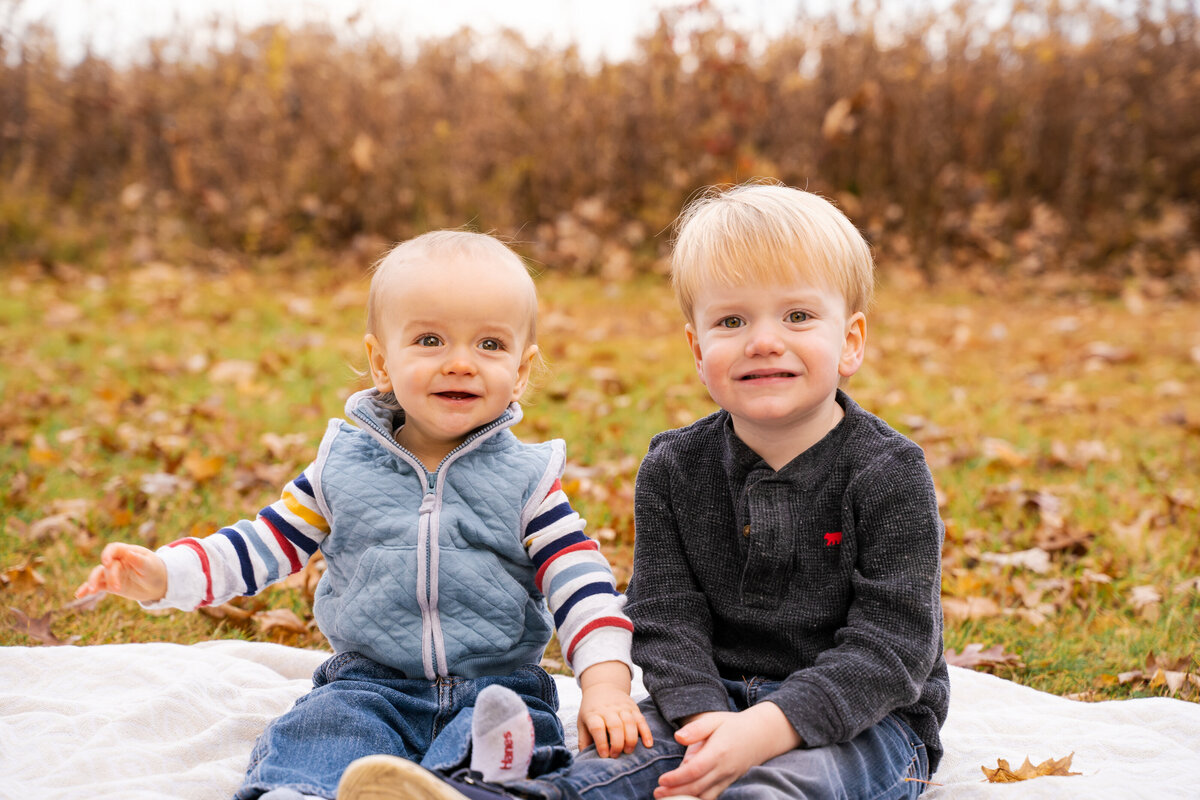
x=608, y=716
x=722, y=746
x=130, y=571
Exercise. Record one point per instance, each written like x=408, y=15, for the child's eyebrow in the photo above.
x=482, y=328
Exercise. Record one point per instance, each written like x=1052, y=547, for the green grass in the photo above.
x=107, y=379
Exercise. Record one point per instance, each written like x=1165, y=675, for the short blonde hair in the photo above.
x=431, y=247
x=768, y=233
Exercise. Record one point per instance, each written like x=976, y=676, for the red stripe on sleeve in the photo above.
x=204, y=565
x=602, y=622
x=589, y=544
x=287, y=547
x=556, y=487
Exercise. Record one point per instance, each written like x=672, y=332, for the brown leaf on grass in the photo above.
x=41, y=454
x=37, y=628
x=23, y=577
x=1173, y=673
x=974, y=656
x=1003, y=773
x=999, y=453
x=233, y=371
x=1034, y=559
x=1141, y=597
x=280, y=619
x=227, y=611
x=1081, y=454
x=960, y=609
x=202, y=468
x=65, y=525
x=1063, y=539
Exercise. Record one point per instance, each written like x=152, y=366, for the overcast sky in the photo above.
x=599, y=27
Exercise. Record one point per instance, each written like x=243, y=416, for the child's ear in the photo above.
x=377, y=363
x=855, y=346
x=694, y=345
x=523, y=371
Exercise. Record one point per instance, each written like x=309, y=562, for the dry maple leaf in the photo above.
x=37, y=628
x=1003, y=773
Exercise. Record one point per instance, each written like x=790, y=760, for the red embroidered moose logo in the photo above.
x=833, y=538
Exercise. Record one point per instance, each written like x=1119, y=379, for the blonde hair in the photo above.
x=768, y=233
x=428, y=249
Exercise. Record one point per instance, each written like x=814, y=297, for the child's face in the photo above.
x=453, y=345
x=772, y=356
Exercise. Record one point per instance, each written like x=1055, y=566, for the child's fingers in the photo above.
x=585, y=737
x=643, y=728
x=94, y=583
x=616, y=733
x=599, y=730
x=629, y=730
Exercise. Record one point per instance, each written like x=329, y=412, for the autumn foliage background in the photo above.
x=183, y=240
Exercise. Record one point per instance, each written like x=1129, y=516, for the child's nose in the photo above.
x=458, y=362
x=763, y=341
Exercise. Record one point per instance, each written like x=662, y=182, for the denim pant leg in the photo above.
x=885, y=762
x=451, y=747
x=356, y=708
x=631, y=776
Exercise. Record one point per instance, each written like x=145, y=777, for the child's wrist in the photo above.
x=606, y=673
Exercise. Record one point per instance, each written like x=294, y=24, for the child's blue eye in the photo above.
x=797, y=316
x=731, y=322
x=491, y=344
x=429, y=340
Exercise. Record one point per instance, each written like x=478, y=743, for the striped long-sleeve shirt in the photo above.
x=245, y=557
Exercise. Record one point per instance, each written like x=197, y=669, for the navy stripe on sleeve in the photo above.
x=243, y=554
x=549, y=517
x=303, y=485
x=582, y=592
x=548, y=552
x=290, y=533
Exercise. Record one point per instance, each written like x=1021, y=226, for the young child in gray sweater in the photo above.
x=787, y=563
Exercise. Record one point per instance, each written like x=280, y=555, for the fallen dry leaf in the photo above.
x=202, y=468
x=965, y=608
x=23, y=577
x=226, y=611
x=283, y=619
x=1035, y=559
x=1003, y=773
x=997, y=452
x=37, y=628
x=974, y=656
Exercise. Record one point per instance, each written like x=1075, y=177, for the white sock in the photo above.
x=501, y=736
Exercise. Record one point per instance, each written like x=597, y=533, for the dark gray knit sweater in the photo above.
x=825, y=575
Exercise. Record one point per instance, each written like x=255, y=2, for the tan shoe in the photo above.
x=383, y=777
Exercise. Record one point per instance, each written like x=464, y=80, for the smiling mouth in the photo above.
x=457, y=395
x=753, y=376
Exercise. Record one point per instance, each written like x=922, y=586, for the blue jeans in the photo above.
x=359, y=708
x=876, y=764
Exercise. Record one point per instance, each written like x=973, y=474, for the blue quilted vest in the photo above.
x=426, y=572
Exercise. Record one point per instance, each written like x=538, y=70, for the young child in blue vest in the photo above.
x=787, y=560
x=445, y=539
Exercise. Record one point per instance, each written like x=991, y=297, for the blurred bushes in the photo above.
x=1067, y=139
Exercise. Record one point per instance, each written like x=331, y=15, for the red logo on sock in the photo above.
x=833, y=538
x=507, y=761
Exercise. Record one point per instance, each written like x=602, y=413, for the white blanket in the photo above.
x=161, y=721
